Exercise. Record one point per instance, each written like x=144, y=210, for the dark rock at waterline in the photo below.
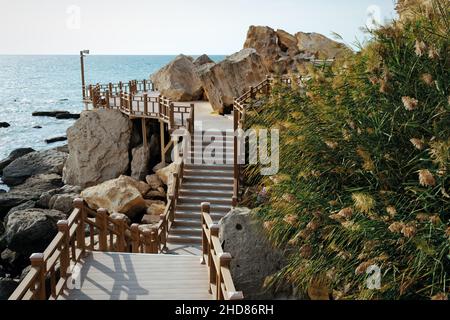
x=38, y=162
x=31, y=230
x=15, y=154
x=57, y=139
x=48, y=113
x=68, y=116
x=4, y=125
x=7, y=287
x=31, y=190
x=37, y=127
x=64, y=148
x=13, y=262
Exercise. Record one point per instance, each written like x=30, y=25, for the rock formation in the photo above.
x=254, y=258
x=231, y=77
x=117, y=196
x=283, y=52
x=34, y=163
x=178, y=80
x=15, y=154
x=140, y=162
x=202, y=60
x=98, y=145
x=31, y=230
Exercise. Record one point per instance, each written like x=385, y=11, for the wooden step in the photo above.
x=197, y=200
x=208, y=179
x=183, y=222
x=207, y=186
x=195, y=207
x=207, y=172
x=195, y=192
x=226, y=167
x=192, y=215
x=187, y=230
x=176, y=238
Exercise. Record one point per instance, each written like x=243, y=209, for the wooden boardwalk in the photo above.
x=128, y=276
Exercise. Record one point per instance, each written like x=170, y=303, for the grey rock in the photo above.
x=201, y=60
x=4, y=125
x=140, y=162
x=31, y=230
x=56, y=139
x=13, y=156
x=67, y=116
x=49, y=113
x=32, y=190
x=254, y=258
x=34, y=163
x=98, y=145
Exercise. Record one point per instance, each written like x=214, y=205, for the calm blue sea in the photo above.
x=33, y=83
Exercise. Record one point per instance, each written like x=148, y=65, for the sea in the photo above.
x=53, y=82
x=45, y=83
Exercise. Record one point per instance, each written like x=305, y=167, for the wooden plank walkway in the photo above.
x=125, y=276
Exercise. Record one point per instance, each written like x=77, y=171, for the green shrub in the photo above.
x=365, y=167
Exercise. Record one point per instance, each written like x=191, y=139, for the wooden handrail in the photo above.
x=220, y=280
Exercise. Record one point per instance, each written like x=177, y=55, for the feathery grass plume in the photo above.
x=420, y=48
x=426, y=178
x=368, y=164
x=409, y=103
x=427, y=79
x=418, y=143
x=440, y=296
x=363, y=202
x=433, y=53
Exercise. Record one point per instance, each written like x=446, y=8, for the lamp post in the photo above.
x=83, y=84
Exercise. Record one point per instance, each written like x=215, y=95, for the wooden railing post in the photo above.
x=164, y=223
x=144, y=83
x=81, y=232
x=235, y=157
x=102, y=225
x=206, y=208
x=147, y=241
x=145, y=97
x=224, y=261
x=63, y=227
x=107, y=95
x=121, y=100
x=154, y=240
x=120, y=227
x=214, y=229
x=135, y=238
x=191, y=130
x=171, y=115
x=37, y=261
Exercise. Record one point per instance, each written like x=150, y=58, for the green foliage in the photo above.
x=365, y=167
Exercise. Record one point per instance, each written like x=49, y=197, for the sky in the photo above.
x=172, y=26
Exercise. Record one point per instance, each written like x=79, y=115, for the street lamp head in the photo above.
x=85, y=52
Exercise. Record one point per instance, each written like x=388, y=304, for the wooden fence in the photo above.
x=220, y=280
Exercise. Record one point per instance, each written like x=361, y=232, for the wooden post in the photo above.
x=206, y=208
x=120, y=226
x=130, y=103
x=235, y=155
x=102, y=224
x=163, y=240
x=162, y=138
x=135, y=238
x=107, y=99
x=154, y=239
x=121, y=100
x=144, y=135
x=214, y=230
x=145, y=97
x=63, y=226
x=144, y=82
x=81, y=234
x=192, y=119
x=147, y=241
x=172, y=116
x=224, y=261
x=252, y=93
x=120, y=85
x=37, y=261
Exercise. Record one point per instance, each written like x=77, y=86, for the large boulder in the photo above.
x=231, y=77
x=60, y=198
x=254, y=258
x=34, y=163
x=98, y=146
x=287, y=42
x=117, y=196
x=140, y=163
x=31, y=230
x=31, y=190
x=166, y=173
x=178, y=80
x=201, y=60
x=15, y=154
x=265, y=41
x=319, y=45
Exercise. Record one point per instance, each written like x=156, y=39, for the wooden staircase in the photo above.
x=206, y=178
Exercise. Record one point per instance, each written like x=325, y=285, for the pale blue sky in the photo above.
x=170, y=26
